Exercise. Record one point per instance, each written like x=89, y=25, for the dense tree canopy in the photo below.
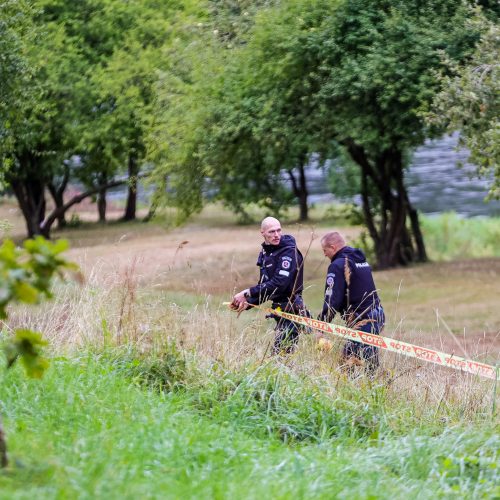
x=92, y=66
x=230, y=98
x=470, y=102
x=16, y=35
x=315, y=77
x=43, y=133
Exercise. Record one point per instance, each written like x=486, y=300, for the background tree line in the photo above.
x=230, y=95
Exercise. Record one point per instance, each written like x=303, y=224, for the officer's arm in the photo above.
x=283, y=278
x=335, y=288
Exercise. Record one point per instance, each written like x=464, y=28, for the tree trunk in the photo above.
x=31, y=198
x=154, y=204
x=36, y=222
x=417, y=234
x=101, y=205
x=300, y=190
x=101, y=197
x=57, y=193
x=133, y=170
x=4, y=461
x=393, y=225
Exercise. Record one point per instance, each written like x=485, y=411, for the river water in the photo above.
x=435, y=183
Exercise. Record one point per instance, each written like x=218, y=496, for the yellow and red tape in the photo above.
x=388, y=344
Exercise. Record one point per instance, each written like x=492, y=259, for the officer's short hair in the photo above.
x=333, y=238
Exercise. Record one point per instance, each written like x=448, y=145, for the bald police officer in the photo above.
x=281, y=280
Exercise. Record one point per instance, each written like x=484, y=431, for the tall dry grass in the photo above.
x=112, y=310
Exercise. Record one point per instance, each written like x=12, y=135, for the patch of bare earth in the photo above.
x=192, y=259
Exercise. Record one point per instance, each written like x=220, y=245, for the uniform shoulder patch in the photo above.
x=330, y=279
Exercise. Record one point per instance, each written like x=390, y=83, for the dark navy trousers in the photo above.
x=369, y=353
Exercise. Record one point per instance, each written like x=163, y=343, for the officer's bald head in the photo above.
x=331, y=243
x=270, y=228
x=269, y=221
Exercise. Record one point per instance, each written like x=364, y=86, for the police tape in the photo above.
x=388, y=344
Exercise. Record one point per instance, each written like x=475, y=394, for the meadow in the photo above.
x=156, y=390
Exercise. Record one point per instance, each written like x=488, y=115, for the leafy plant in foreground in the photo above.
x=25, y=277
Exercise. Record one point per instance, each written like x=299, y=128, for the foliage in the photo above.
x=344, y=180
x=179, y=176
x=342, y=214
x=469, y=102
x=375, y=71
x=26, y=273
x=25, y=277
x=231, y=21
x=121, y=76
x=93, y=66
x=44, y=131
x=27, y=345
x=318, y=77
x=208, y=127
x=16, y=32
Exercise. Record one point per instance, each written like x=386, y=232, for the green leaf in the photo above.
x=26, y=346
x=26, y=293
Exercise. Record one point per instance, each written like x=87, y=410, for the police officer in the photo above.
x=281, y=280
x=350, y=291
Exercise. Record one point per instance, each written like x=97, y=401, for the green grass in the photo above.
x=97, y=427
x=449, y=236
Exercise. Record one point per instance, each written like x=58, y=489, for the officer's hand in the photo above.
x=243, y=305
x=239, y=302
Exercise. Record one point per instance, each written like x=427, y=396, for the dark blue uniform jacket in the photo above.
x=349, y=288
x=281, y=274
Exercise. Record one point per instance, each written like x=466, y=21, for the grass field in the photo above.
x=156, y=390
x=88, y=431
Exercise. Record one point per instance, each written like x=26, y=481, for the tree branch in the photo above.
x=47, y=223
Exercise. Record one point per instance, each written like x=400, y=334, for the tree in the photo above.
x=176, y=137
x=469, y=102
x=305, y=78
x=92, y=74
x=261, y=125
x=43, y=132
x=217, y=121
x=122, y=44
x=124, y=89
x=349, y=73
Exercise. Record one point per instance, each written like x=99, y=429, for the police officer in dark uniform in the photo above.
x=281, y=280
x=350, y=291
